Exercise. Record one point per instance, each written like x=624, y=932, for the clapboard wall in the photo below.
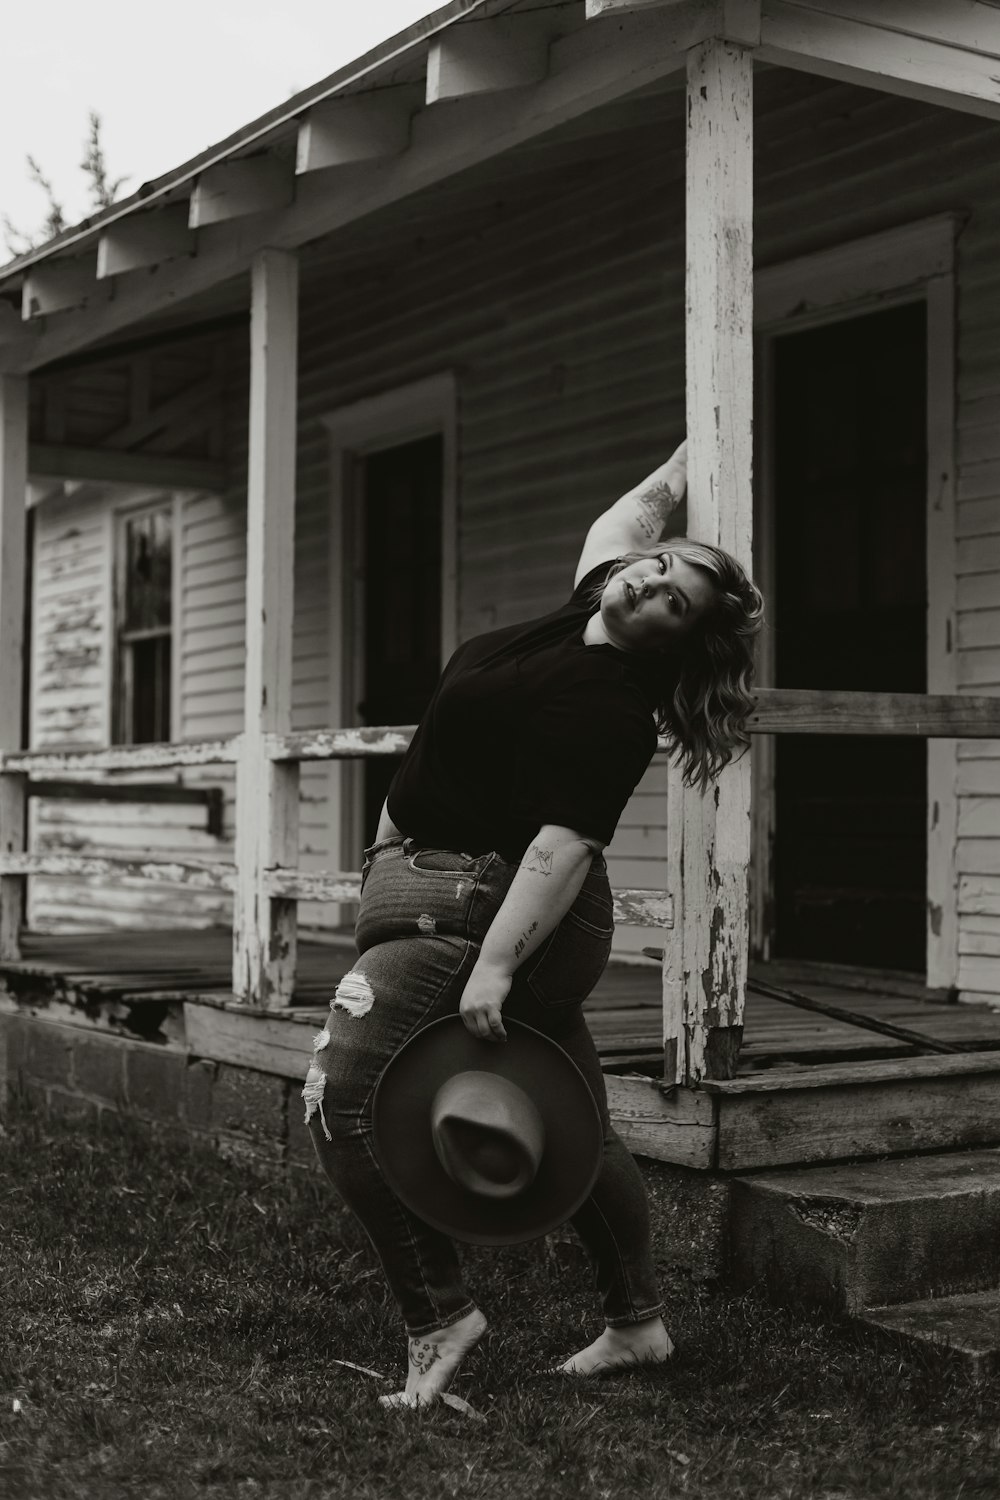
x=551, y=284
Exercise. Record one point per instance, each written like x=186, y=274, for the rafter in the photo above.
x=57, y=286
x=236, y=189
x=484, y=57
x=367, y=128
x=144, y=240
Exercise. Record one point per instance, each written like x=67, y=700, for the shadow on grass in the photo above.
x=172, y=1322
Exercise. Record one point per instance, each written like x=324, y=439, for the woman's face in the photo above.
x=655, y=602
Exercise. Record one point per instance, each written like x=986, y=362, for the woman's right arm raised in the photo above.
x=639, y=518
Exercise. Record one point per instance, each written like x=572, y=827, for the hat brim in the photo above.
x=574, y=1139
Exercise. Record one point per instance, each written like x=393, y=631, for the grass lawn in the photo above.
x=170, y=1322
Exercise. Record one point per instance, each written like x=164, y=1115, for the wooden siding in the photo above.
x=71, y=705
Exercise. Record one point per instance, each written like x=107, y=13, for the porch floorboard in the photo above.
x=623, y=1012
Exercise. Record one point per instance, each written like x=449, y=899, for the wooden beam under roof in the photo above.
x=236, y=189
x=484, y=57
x=146, y=239
x=174, y=471
x=369, y=127
x=58, y=286
x=940, y=54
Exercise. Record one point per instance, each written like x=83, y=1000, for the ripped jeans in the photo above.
x=422, y=919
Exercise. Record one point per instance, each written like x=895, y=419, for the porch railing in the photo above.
x=779, y=711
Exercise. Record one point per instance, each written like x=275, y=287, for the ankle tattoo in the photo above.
x=423, y=1355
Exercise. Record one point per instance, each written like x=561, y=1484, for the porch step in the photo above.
x=967, y=1326
x=869, y=1234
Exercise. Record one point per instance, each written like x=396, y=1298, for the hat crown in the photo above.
x=487, y=1133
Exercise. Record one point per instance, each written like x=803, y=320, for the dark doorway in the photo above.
x=400, y=495
x=850, y=853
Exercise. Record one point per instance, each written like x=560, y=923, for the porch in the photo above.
x=810, y=1087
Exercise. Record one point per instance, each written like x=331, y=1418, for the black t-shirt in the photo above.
x=529, y=725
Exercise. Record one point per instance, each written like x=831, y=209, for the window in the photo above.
x=144, y=625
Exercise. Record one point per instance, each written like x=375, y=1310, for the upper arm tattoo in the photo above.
x=653, y=507
x=538, y=859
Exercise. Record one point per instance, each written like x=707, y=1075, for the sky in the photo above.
x=167, y=80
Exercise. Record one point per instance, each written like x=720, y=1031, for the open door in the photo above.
x=398, y=496
x=848, y=610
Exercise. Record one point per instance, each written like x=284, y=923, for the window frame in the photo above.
x=120, y=513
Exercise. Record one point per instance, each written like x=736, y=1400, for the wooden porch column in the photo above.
x=267, y=792
x=13, y=496
x=705, y=963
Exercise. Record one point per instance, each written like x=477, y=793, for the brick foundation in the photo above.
x=85, y=1073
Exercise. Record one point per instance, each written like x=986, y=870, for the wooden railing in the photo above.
x=780, y=711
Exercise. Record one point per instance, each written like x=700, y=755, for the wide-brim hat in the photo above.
x=492, y=1142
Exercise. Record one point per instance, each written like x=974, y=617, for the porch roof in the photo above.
x=441, y=97
x=395, y=61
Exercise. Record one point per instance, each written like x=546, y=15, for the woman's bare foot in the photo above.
x=617, y=1349
x=434, y=1360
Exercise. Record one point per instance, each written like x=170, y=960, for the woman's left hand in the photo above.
x=482, y=1003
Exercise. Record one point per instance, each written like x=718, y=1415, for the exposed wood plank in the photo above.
x=820, y=711
x=144, y=240
x=952, y=64
x=369, y=128
x=893, y=1071
x=676, y=1126
x=267, y=792
x=904, y=1112
x=206, y=875
x=238, y=189
x=107, y=464
x=206, y=752
x=59, y=286
x=269, y=1044
x=485, y=56
x=336, y=744
x=704, y=972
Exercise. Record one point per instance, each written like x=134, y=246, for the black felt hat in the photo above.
x=492, y=1142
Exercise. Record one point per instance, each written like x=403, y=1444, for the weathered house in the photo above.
x=306, y=412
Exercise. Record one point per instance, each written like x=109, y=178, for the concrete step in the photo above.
x=872, y=1233
x=967, y=1327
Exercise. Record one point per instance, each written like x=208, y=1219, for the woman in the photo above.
x=486, y=890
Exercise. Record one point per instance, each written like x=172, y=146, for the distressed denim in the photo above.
x=422, y=919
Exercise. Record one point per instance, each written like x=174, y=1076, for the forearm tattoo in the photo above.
x=538, y=860
x=653, y=507
x=522, y=941
x=423, y=1354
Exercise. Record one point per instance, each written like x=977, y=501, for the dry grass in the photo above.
x=170, y=1322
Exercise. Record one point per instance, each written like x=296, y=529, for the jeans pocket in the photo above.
x=568, y=966
x=377, y=850
x=448, y=862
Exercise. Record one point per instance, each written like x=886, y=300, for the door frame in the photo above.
x=913, y=263
x=404, y=413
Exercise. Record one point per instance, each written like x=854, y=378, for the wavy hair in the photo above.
x=703, y=718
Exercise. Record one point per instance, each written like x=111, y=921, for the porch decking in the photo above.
x=624, y=1012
